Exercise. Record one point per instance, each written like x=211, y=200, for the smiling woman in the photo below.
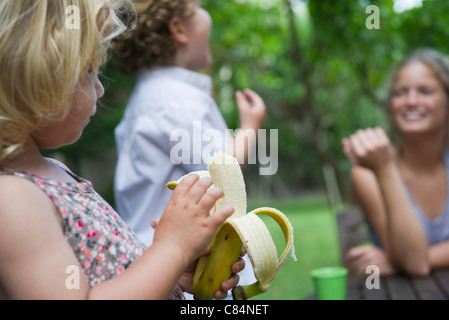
x=404, y=192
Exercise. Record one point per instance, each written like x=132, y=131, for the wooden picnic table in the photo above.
x=400, y=287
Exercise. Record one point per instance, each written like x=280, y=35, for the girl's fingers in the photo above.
x=238, y=266
x=198, y=189
x=185, y=185
x=231, y=283
x=243, y=252
x=221, y=215
x=154, y=223
x=210, y=197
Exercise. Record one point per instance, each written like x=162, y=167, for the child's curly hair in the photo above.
x=150, y=43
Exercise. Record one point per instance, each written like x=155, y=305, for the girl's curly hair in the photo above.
x=150, y=44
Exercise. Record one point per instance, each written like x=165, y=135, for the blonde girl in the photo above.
x=58, y=238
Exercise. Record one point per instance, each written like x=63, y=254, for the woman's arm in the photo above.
x=387, y=205
x=439, y=255
x=408, y=246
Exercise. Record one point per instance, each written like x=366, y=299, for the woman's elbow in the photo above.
x=418, y=270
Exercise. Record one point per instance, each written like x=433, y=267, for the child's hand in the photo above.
x=186, y=280
x=186, y=225
x=252, y=109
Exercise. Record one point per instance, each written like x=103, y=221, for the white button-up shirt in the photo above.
x=169, y=103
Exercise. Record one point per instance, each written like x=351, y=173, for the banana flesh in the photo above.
x=202, y=173
x=239, y=229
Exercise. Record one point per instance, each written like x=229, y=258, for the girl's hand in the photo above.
x=186, y=225
x=252, y=109
x=369, y=148
x=187, y=278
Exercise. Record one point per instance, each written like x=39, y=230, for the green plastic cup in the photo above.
x=330, y=283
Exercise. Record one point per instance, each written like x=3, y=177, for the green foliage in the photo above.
x=321, y=72
x=316, y=245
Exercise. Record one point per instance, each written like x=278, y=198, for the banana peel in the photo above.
x=241, y=228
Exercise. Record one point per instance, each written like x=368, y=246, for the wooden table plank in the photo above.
x=353, y=290
x=442, y=277
x=399, y=288
x=376, y=293
x=427, y=289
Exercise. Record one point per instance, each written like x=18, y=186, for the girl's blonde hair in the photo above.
x=45, y=47
x=150, y=44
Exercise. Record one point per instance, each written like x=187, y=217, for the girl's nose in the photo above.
x=99, y=88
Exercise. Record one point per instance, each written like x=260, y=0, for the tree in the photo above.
x=321, y=71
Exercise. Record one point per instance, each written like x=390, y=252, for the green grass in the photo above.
x=316, y=245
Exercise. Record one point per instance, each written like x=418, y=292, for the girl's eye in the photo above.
x=91, y=71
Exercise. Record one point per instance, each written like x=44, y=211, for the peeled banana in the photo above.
x=239, y=229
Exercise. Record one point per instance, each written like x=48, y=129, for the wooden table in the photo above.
x=400, y=287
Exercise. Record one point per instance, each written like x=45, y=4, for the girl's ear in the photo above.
x=178, y=30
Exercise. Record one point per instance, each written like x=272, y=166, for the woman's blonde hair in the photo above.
x=45, y=47
x=150, y=44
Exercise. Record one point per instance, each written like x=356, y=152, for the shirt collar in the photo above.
x=201, y=81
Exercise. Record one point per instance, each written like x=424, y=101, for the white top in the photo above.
x=169, y=103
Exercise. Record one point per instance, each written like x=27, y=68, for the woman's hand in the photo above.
x=369, y=148
x=357, y=259
x=186, y=281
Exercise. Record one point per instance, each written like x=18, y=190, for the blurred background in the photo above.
x=320, y=70
x=322, y=74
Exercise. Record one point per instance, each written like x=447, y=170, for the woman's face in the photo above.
x=83, y=107
x=419, y=103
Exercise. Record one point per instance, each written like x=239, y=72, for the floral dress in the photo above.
x=102, y=242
